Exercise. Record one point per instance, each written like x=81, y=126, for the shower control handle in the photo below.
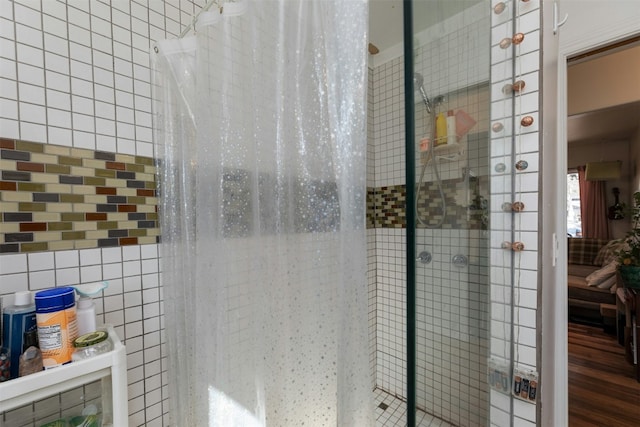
x=424, y=257
x=459, y=260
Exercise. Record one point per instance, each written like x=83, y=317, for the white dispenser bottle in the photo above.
x=86, y=308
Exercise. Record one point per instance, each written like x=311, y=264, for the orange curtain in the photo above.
x=593, y=207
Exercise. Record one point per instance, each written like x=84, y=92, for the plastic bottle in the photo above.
x=5, y=357
x=17, y=320
x=57, y=325
x=86, y=308
x=31, y=358
x=441, y=130
x=452, y=138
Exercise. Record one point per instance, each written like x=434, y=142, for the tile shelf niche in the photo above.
x=110, y=368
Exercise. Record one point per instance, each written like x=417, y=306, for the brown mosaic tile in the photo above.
x=33, y=226
x=94, y=216
x=8, y=186
x=127, y=208
x=7, y=143
x=106, y=190
x=145, y=193
x=116, y=165
x=30, y=167
x=128, y=241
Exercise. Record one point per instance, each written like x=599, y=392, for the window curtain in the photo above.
x=593, y=207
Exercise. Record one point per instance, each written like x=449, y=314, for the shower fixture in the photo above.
x=430, y=104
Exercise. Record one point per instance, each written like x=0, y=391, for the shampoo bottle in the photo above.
x=17, y=320
x=441, y=130
x=452, y=138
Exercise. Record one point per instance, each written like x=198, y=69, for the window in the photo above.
x=574, y=222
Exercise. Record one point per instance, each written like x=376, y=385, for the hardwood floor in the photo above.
x=603, y=391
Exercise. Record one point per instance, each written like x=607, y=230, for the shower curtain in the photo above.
x=260, y=136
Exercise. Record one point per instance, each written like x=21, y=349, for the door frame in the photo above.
x=553, y=409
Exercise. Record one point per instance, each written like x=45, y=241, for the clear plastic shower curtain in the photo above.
x=260, y=133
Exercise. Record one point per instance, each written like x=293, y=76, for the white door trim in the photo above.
x=555, y=411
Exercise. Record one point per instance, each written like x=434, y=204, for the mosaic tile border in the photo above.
x=386, y=207
x=55, y=197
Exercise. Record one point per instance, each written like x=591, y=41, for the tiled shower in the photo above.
x=452, y=302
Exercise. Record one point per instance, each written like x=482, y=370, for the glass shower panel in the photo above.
x=452, y=100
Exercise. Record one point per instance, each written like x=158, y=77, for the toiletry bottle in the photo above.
x=441, y=130
x=452, y=138
x=31, y=358
x=5, y=356
x=86, y=315
x=16, y=321
x=86, y=308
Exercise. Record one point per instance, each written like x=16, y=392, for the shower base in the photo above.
x=395, y=413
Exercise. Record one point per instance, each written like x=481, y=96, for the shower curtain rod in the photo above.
x=195, y=18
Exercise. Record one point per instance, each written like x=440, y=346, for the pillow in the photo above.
x=606, y=254
x=608, y=283
x=602, y=274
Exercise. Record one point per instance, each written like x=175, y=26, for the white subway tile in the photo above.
x=60, y=136
x=33, y=132
x=31, y=93
x=78, y=17
x=67, y=276
x=59, y=117
x=100, y=26
x=62, y=84
x=101, y=43
x=15, y=263
x=105, y=143
x=56, y=45
x=111, y=271
x=30, y=55
x=56, y=63
x=8, y=109
x=31, y=112
x=29, y=36
x=27, y=16
x=92, y=273
x=90, y=256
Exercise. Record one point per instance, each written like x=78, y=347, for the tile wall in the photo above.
x=513, y=142
x=75, y=74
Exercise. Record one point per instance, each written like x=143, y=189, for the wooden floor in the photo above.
x=603, y=391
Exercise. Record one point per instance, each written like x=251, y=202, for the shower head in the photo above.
x=418, y=80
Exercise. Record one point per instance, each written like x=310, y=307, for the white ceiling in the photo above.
x=617, y=123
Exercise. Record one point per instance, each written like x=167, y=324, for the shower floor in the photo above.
x=395, y=414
